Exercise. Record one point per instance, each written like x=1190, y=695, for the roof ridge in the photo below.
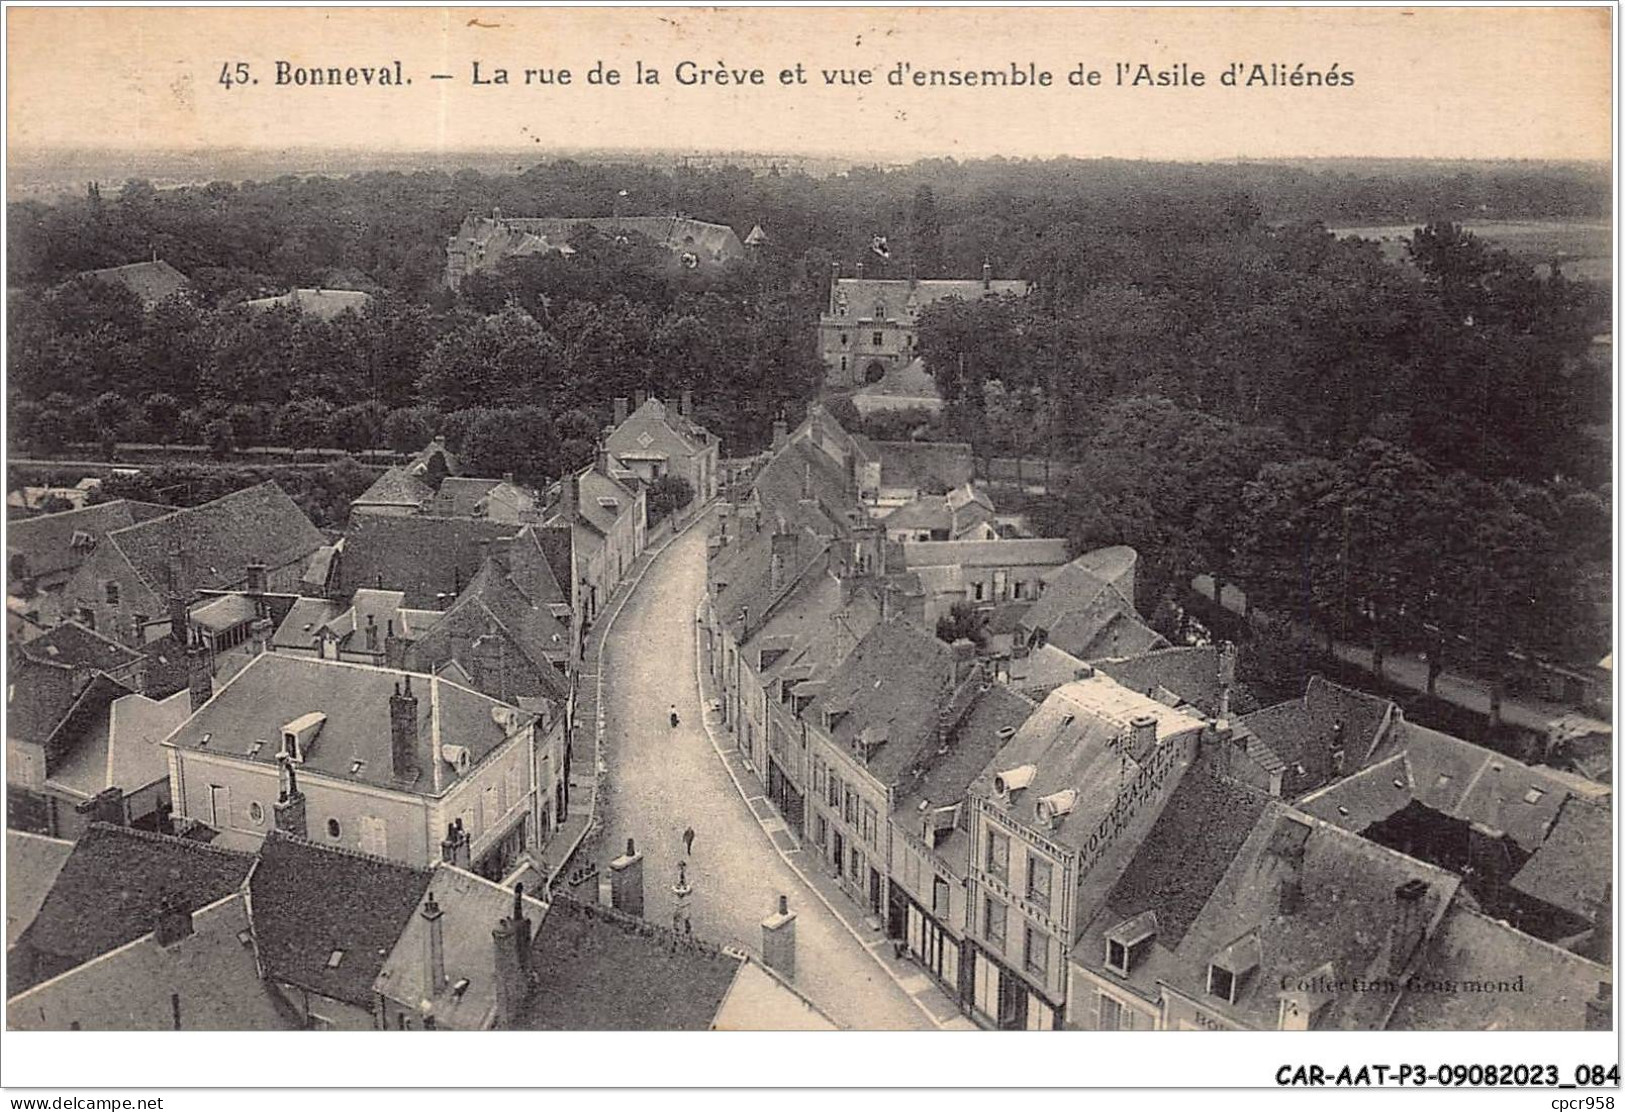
x=346, y=851
x=164, y=839
x=632, y=924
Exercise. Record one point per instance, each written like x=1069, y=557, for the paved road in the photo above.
x=663, y=780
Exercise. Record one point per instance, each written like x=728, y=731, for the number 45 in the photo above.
x=234, y=73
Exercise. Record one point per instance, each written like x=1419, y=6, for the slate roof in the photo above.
x=166, y=666
x=802, y=484
x=592, y=486
x=47, y=542
x=422, y=556
x=395, y=487
x=76, y=751
x=711, y=242
x=1574, y=867
x=759, y=1000
x=1553, y=984
x=1071, y=740
x=496, y=499
x=218, y=540
x=895, y=682
x=311, y=901
x=663, y=424
x=276, y=688
x=32, y=864
x=137, y=725
x=599, y=970
x=503, y=609
x=946, y=773
x=747, y=596
x=901, y=300
x=324, y=304
x=1088, y=617
x=299, y=627
x=150, y=281
x=1302, y=733
x=72, y=644
x=1189, y=671
x=210, y=977
x=38, y=697
x=1342, y=918
x=1019, y=553
x=470, y=907
x=107, y=894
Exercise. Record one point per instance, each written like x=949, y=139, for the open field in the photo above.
x=1583, y=247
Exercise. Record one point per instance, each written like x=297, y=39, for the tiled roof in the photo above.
x=313, y=902
x=76, y=751
x=108, y=891
x=1113, y=564
x=1071, y=740
x=1304, y=732
x=166, y=666
x=893, y=686
x=1574, y=866
x=802, y=484
x=1553, y=984
x=748, y=597
x=899, y=299
x=470, y=907
x=224, y=612
x=599, y=970
x=664, y=425
x=495, y=604
x=47, y=542
x=1089, y=617
x=38, y=698
x=150, y=281
x=395, y=487
x=72, y=644
x=1023, y=552
x=946, y=772
x=276, y=688
x=218, y=540
x=1189, y=671
x=425, y=557
x=325, y=304
x=299, y=628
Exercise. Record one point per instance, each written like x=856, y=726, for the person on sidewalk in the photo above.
x=674, y=718
x=688, y=842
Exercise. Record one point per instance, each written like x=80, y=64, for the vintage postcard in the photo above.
x=811, y=519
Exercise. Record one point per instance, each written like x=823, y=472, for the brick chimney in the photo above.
x=403, y=732
x=174, y=919
x=569, y=496
x=685, y=404
x=1142, y=738
x=626, y=881
x=199, y=673
x=288, y=812
x=1409, y=924
x=1600, y=1008
x=620, y=412
x=435, y=944
x=394, y=647
x=511, y=942
x=603, y=461
x=638, y=398
x=779, y=940
x=454, y=849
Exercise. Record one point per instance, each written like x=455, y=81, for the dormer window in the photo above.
x=880, y=310
x=1228, y=972
x=1129, y=942
x=1534, y=795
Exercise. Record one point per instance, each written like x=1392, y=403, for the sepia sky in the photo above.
x=1428, y=82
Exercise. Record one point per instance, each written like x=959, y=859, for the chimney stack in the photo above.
x=964, y=652
x=288, y=812
x=987, y=275
x=435, y=939
x=1409, y=925
x=199, y=677
x=638, y=398
x=256, y=578
x=685, y=405
x=1142, y=735
x=511, y=940
x=106, y=806
x=626, y=881
x=620, y=412
x=603, y=452
x=781, y=433
x=403, y=732
x=174, y=919
x=394, y=647
x=454, y=849
x=372, y=634
x=1600, y=1008
x=1227, y=677
x=779, y=941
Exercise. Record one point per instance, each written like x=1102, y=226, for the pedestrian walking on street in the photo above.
x=688, y=842
x=674, y=716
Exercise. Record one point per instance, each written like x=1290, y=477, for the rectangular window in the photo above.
x=1039, y=876
x=977, y=590
x=993, y=917
x=850, y=811
x=998, y=855
x=880, y=339
x=1036, y=946
x=939, y=896
x=1111, y=1014
x=856, y=863
x=821, y=831
x=871, y=824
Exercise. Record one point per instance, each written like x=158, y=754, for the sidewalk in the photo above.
x=914, y=981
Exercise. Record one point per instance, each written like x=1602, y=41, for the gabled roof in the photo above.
x=150, y=281
x=303, y=622
x=76, y=752
x=657, y=428
x=1303, y=733
x=599, y=970
x=1088, y=616
x=748, y=594
x=891, y=688
x=495, y=603
x=32, y=864
x=1023, y=552
x=945, y=773
x=218, y=540
x=107, y=894
x=72, y=644
x=54, y=543
x=276, y=688
x=422, y=556
x=136, y=727
x=1573, y=869
x=899, y=299
x=1189, y=671
x=395, y=487
x=495, y=499
x=38, y=697
x=470, y=907
x=313, y=902
x=802, y=484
